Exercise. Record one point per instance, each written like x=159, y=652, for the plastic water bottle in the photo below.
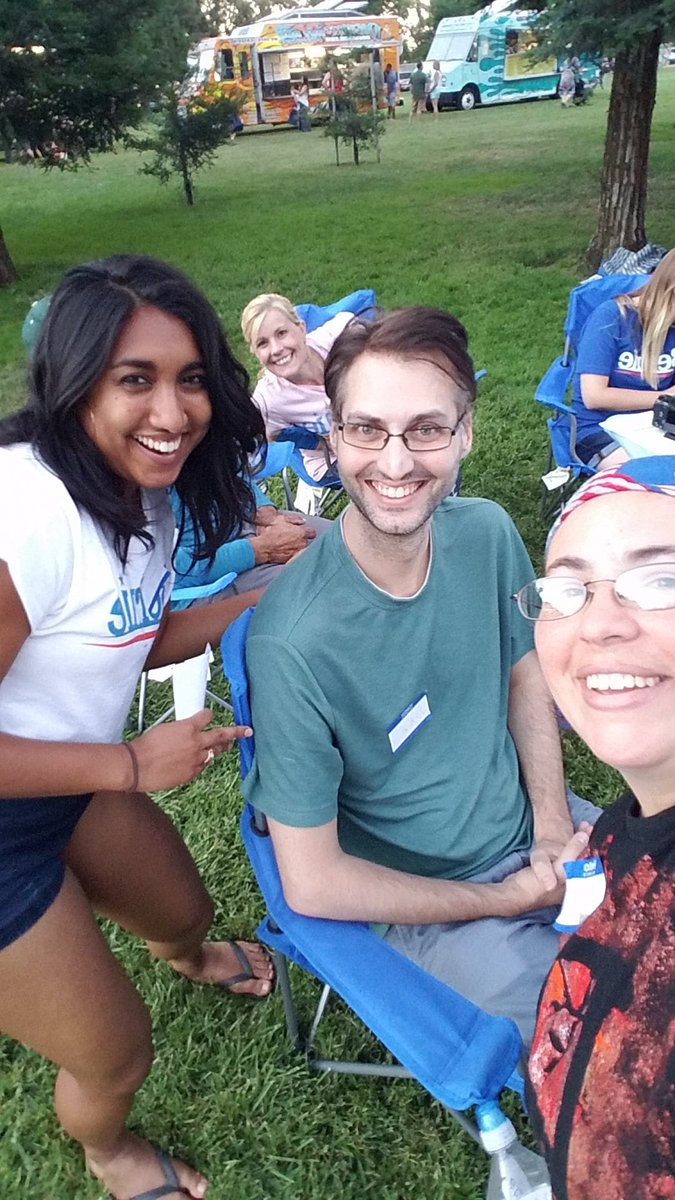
x=516, y=1173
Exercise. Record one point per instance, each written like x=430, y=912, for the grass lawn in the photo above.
x=486, y=214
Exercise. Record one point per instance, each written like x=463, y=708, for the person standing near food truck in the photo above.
x=301, y=96
x=418, y=91
x=391, y=89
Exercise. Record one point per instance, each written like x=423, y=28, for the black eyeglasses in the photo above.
x=427, y=436
x=649, y=588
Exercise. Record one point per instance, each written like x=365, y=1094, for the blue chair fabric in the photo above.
x=361, y=303
x=185, y=595
x=586, y=296
x=273, y=459
x=458, y=1052
x=554, y=387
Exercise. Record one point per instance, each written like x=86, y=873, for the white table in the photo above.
x=636, y=434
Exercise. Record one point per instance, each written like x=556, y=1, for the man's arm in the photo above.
x=320, y=880
x=534, y=728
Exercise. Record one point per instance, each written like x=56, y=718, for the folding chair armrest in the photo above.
x=273, y=461
x=361, y=303
x=553, y=386
x=200, y=591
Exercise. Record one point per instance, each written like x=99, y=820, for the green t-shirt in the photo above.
x=418, y=84
x=334, y=663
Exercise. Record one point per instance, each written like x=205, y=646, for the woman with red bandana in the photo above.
x=602, y=1068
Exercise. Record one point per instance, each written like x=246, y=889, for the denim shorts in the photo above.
x=595, y=447
x=34, y=833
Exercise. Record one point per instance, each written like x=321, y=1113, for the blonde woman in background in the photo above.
x=626, y=360
x=290, y=389
x=435, y=86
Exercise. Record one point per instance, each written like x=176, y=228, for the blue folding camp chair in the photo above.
x=459, y=1053
x=554, y=387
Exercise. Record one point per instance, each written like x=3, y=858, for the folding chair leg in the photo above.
x=290, y=1011
x=320, y=1010
x=141, y=700
x=382, y=1071
x=288, y=490
x=218, y=700
x=331, y=497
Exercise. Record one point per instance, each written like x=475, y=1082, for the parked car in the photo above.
x=404, y=72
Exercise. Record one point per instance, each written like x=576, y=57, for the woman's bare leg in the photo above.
x=615, y=459
x=147, y=882
x=64, y=994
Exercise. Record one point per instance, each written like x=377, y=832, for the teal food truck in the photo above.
x=487, y=58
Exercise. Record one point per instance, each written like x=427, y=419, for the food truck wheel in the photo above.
x=468, y=99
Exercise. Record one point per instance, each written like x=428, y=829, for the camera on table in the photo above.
x=664, y=415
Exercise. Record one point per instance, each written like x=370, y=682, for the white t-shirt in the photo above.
x=284, y=403
x=93, y=621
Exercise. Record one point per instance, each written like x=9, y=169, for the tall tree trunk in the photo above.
x=623, y=190
x=8, y=272
x=186, y=175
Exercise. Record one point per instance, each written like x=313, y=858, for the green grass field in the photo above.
x=486, y=214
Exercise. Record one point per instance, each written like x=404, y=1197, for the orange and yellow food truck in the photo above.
x=263, y=62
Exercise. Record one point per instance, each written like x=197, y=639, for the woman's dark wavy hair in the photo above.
x=86, y=316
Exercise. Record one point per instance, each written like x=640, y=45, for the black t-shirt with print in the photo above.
x=602, y=1068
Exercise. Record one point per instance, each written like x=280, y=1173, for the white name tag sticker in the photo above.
x=413, y=717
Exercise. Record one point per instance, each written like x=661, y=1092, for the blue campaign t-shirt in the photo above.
x=611, y=345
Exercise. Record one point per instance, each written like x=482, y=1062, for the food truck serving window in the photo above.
x=244, y=69
x=226, y=64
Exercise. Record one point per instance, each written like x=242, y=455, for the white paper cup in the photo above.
x=189, y=685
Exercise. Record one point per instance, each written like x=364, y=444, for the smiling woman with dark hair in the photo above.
x=602, y=1068
x=132, y=390
x=86, y=317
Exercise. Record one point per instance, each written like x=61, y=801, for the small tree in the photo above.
x=188, y=133
x=354, y=120
x=77, y=76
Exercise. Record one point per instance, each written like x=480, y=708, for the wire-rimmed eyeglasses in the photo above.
x=649, y=588
x=426, y=436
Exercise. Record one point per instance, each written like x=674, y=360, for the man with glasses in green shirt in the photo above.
x=407, y=752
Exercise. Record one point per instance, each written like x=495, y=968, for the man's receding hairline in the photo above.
x=447, y=367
